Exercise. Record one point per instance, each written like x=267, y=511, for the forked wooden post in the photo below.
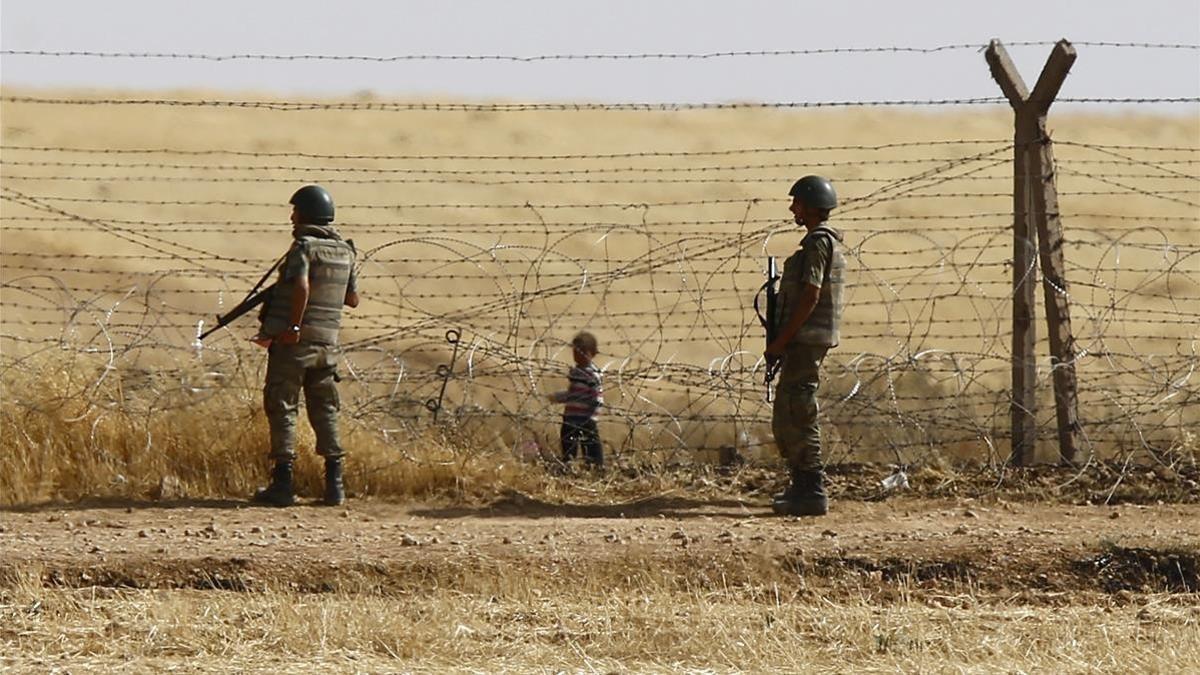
x=1036, y=219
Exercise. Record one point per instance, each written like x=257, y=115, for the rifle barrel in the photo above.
x=212, y=330
x=244, y=306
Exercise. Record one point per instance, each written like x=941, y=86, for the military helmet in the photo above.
x=314, y=205
x=815, y=192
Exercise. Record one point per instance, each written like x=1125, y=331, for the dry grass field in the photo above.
x=127, y=447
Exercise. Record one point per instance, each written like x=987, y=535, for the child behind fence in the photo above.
x=582, y=401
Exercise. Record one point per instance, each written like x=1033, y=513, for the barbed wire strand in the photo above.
x=690, y=56
x=921, y=373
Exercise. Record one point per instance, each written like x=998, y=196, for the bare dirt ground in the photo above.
x=1042, y=552
x=676, y=582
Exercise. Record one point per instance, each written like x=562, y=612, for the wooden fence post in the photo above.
x=1024, y=338
x=1036, y=219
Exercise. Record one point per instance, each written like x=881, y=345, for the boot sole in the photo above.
x=268, y=501
x=800, y=508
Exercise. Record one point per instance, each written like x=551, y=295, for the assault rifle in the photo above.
x=253, y=299
x=769, y=321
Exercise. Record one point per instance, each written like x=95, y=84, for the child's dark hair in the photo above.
x=586, y=342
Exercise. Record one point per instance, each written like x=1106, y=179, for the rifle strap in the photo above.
x=266, y=276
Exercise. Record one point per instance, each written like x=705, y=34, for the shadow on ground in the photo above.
x=128, y=504
x=520, y=505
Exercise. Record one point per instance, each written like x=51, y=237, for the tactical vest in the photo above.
x=823, y=326
x=329, y=264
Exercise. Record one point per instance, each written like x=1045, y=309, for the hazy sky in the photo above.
x=533, y=27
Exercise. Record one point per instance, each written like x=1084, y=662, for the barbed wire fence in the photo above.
x=667, y=283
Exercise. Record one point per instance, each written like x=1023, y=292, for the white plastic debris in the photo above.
x=897, y=481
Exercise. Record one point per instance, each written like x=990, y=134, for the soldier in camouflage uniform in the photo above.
x=808, y=318
x=300, y=325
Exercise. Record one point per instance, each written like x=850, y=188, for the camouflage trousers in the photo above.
x=313, y=369
x=794, y=417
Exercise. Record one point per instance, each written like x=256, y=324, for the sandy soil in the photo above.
x=1037, y=551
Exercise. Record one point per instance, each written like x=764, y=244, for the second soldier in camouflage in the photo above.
x=808, y=320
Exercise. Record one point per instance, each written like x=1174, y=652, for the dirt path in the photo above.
x=998, y=547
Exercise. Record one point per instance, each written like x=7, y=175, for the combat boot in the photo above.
x=804, y=497
x=279, y=492
x=793, y=489
x=335, y=492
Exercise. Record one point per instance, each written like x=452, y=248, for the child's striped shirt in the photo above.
x=585, y=395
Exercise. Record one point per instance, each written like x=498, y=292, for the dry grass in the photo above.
x=59, y=445
x=72, y=434
x=649, y=629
